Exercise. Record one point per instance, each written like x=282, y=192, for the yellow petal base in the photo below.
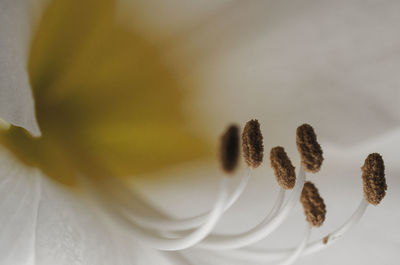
x=103, y=98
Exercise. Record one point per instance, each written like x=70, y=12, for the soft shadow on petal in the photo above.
x=16, y=102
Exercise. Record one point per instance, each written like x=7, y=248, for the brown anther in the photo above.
x=309, y=149
x=313, y=205
x=283, y=168
x=252, y=143
x=229, y=149
x=373, y=175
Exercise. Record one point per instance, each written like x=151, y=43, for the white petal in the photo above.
x=43, y=223
x=71, y=233
x=330, y=63
x=16, y=101
x=19, y=201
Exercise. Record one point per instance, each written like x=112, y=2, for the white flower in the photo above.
x=331, y=64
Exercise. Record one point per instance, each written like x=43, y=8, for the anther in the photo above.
x=313, y=204
x=252, y=143
x=229, y=149
x=309, y=149
x=283, y=168
x=373, y=175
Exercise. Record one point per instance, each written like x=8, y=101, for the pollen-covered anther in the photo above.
x=373, y=175
x=283, y=168
x=229, y=149
x=252, y=143
x=309, y=148
x=313, y=205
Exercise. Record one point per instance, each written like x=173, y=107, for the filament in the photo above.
x=171, y=234
x=292, y=257
x=192, y=222
x=332, y=237
x=151, y=238
x=259, y=232
x=256, y=254
x=287, y=258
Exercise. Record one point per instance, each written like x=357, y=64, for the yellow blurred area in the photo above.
x=103, y=98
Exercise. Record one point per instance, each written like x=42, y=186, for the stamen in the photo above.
x=309, y=149
x=373, y=175
x=162, y=233
x=313, y=204
x=284, y=170
x=373, y=161
x=252, y=143
x=229, y=149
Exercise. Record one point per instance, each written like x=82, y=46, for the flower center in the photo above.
x=104, y=99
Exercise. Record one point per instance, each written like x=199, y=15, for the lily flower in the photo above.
x=111, y=116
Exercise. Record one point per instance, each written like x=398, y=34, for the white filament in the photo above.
x=259, y=232
x=332, y=237
x=254, y=254
x=289, y=258
x=277, y=205
x=292, y=257
x=153, y=239
x=158, y=232
x=192, y=222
